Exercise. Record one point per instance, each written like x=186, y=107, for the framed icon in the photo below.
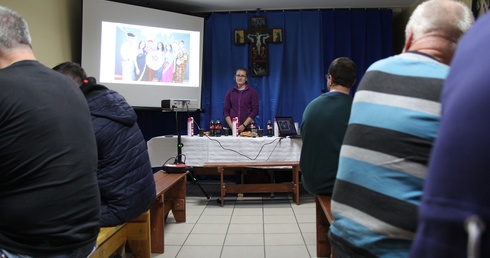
x=239, y=37
x=277, y=35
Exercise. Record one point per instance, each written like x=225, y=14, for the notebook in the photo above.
x=286, y=127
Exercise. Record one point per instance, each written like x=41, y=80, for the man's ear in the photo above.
x=408, y=41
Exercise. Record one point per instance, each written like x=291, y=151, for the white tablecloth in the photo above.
x=197, y=150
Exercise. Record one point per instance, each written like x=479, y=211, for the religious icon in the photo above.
x=239, y=37
x=276, y=36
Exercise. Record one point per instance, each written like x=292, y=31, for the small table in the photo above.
x=292, y=187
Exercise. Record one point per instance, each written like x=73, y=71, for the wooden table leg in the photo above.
x=222, y=185
x=296, y=184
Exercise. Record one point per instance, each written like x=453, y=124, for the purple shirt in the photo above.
x=241, y=103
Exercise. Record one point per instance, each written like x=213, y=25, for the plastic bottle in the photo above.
x=217, y=128
x=234, y=128
x=253, y=128
x=269, y=128
x=211, y=127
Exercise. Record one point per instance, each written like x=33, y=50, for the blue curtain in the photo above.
x=311, y=40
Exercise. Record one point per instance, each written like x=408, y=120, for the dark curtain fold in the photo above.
x=311, y=40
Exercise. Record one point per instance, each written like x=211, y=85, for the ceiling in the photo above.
x=209, y=6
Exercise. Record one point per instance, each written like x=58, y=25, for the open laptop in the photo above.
x=286, y=127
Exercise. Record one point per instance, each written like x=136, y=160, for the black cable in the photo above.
x=243, y=155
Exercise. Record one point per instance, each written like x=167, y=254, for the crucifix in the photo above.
x=258, y=36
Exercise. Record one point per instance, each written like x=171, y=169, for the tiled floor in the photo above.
x=256, y=226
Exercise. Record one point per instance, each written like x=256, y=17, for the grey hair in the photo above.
x=13, y=29
x=438, y=15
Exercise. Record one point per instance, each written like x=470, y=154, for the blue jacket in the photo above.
x=125, y=177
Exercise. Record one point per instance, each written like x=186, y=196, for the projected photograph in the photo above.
x=132, y=54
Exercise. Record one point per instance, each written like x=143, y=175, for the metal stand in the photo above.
x=178, y=159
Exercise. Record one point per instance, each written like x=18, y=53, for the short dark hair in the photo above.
x=344, y=71
x=72, y=70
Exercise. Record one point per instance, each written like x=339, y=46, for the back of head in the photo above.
x=14, y=31
x=72, y=70
x=344, y=71
x=447, y=18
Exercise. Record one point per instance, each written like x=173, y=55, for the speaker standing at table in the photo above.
x=124, y=173
x=323, y=127
x=241, y=101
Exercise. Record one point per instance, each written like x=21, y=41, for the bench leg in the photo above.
x=178, y=200
x=138, y=234
x=157, y=222
x=323, y=247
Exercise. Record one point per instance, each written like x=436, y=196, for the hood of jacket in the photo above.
x=109, y=104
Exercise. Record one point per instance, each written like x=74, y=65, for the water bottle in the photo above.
x=211, y=127
x=217, y=128
x=269, y=128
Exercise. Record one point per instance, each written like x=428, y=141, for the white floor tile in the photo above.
x=220, y=219
x=310, y=238
x=246, y=219
x=201, y=228
x=280, y=219
x=200, y=252
x=242, y=228
x=244, y=239
x=276, y=228
x=292, y=251
x=205, y=239
x=307, y=227
x=175, y=239
x=243, y=252
x=284, y=239
x=181, y=228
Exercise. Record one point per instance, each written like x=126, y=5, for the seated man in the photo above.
x=124, y=173
x=454, y=217
x=323, y=127
x=393, y=124
x=49, y=198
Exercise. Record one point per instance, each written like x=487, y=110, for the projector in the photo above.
x=180, y=104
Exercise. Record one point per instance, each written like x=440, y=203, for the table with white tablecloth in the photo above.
x=226, y=152
x=198, y=150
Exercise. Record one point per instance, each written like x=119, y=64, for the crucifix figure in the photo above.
x=259, y=36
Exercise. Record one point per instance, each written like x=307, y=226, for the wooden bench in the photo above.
x=292, y=187
x=323, y=220
x=136, y=234
x=170, y=196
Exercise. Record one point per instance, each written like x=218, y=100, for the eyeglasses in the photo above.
x=326, y=76
x=239, y=75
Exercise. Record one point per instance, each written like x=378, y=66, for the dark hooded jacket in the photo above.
x=125, y=177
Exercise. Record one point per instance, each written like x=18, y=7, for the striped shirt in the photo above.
x=383, y=160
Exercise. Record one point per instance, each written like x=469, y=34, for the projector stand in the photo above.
x=178, y=166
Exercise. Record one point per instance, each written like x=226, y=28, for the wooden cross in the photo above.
x=259, y=37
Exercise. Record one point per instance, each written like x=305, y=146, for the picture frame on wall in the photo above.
x=277, y=35
x=239, y=37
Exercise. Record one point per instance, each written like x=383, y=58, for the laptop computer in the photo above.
x=286, y=127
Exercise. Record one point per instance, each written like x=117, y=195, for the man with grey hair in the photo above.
x=49, y=197
x=394, y=122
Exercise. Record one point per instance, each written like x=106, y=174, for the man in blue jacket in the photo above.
x=124, y=173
